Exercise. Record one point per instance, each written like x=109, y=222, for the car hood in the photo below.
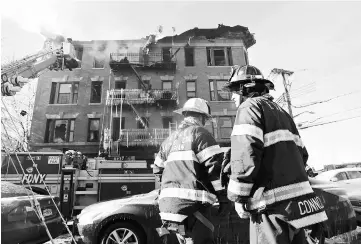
x=114, y=205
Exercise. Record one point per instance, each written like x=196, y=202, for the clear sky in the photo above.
x=321, y=41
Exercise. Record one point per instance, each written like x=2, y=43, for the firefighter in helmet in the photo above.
x=189, y=162
x=268, y=180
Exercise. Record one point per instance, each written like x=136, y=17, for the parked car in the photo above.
x=134, y=219
x=343, y=176
x=19, y=222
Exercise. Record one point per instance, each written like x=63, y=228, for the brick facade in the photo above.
x=84, y=110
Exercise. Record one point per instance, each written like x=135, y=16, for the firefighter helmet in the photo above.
x=248, y=76
x=197, y=105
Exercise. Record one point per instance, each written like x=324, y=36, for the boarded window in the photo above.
x=60, y=130
x=166, y=122
x=189, y=56
x=116, y=127
x=167, y=85
x=96, y=92
x=191, y=89
x=93, y=130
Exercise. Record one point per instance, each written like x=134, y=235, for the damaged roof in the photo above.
x=223, y=31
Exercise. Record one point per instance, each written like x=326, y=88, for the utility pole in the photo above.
x=286, y=85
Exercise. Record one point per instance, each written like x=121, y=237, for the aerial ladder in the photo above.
x=54, y=56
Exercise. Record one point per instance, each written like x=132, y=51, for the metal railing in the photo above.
x=140, y=58
x=139, y=96
x=140, y=137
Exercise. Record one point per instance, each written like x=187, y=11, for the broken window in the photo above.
x=96, y=92
x=64, y=93
x=93, y=130
x=166, y=54
x=99, y=62
x=140, y=125
x=120, y=85
x=166, y=121
x=191, y=88
x=189, y=56
x=60, y=130
x=219, y=56
x=116, y=128
x=216, y=91
x=167, y=85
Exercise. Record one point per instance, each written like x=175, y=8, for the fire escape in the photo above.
x=131, y=99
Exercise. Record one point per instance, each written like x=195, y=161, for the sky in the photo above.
x=319, y=41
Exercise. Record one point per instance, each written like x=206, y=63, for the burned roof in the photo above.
x=235, y=32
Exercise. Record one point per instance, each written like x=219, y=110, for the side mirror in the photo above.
x=333, y=179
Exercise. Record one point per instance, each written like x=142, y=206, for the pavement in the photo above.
x=353, y=237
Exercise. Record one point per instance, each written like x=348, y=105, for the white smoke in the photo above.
x=37, y=16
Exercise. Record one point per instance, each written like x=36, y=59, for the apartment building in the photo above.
x=121, y=99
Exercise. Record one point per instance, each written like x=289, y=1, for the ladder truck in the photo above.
x=54, y=56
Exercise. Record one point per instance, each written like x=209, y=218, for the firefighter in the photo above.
x=268, y=180
x=189, y=163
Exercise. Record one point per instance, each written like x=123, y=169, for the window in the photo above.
x=191, y=89
x=225, y=127
x=93, y=130
x=64, y=93
x=120, y=85
x=140, y=124
x=79, y=54
x=354, y=174
x=166, y=121
x=60, y=130
x=166, y=53
x=96, y=92
x=341, y=176
x=167, y=85
x=211, y=127
x=216, y=91
x=116, y=126
x=189, y=56
x=219, y=56
x=99, y=62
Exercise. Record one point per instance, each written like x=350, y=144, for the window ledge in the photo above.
x=221, y=101
x=98, y=68
x=61, y=104
x=94, y=103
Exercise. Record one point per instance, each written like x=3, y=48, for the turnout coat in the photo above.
x=268, y=160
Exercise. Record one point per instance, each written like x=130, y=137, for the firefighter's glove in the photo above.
x=241, y=210
x=226, y=168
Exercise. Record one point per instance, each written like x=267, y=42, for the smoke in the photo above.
x=35, y=16
x=102, y=49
